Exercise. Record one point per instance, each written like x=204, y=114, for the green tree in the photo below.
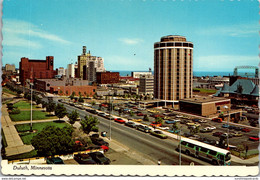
x=60, y=111
x=53, y=141
x=131, y=113
x=50, y=107
x=67, y=92
x=159, y=120
x=240, y=148
x=93, y=103
x=19, y=92
x=120, y=110
x=73, y=116
x=81, y=99
x=61, y=92
x=146, y=118
x=38, y=100
x=72, y=95
x=175, y=126
x=89, y=124
x=10, y=106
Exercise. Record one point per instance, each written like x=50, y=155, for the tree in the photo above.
x=50, y=107
x=44, y=104
x=120, y=110
x=159, y=120
x=240, y=148
x=81, y=99
x=73, y=116
x=89, y=124
x=72, y=95
x=131, y=113
x=53, y=141
x=93, y=103
x=146, y=118
x=175, y=126
x=38, y=100
x=10, y=106
x=61, y=92
x=67, y=92
x=60, y=111
x=19, y=92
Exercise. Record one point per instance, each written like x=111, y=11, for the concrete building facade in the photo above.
x=173, y=68
x=70, y=71
x=146, y=84
x=85, y=58
x=139, y=74
x=36, y=69
x=10, y=67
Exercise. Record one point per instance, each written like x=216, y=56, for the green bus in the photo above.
x=215, y=155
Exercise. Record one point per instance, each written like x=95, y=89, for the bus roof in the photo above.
x=214, y=148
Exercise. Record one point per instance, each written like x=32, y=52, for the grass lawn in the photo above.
x=27, y=136
x=6, y=90
x=24, y=105
x=209, y=91
x=26, y=116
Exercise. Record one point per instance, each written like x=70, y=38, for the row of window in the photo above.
x=173, y=44
x=202, y=149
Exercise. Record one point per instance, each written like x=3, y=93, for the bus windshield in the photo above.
x=228, y=157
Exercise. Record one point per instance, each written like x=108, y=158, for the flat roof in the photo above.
x=204, y=99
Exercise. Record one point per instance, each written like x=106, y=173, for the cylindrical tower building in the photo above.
x=173, y=68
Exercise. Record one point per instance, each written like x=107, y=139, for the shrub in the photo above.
x=15, y=111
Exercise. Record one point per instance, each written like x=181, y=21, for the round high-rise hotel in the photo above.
x=173, y=71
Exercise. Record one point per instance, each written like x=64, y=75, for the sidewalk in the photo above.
x=14, y=142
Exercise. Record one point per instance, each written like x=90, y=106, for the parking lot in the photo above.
x=133, y=112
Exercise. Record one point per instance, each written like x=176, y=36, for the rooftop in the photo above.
x=204, y=99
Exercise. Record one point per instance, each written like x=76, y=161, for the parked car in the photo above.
x=236, y=134
x=119, y=120
x=254, y=138
x=179, y=116
x=141, y=114
x=99, y=141
x=231, y=127
x=155, y=124
x=225, y=125
x=211, y=127
x=130, y=124
x=170, y=122
x=158, y=134
x=238, y=128
x=217, y=120
x=195, y=137
x=175, y=131
x=96, y=147
x=84, y=159
x=143, y=128
x=205, y=130
x=196, y=120
x=163, y=127
x=137, y=120
x=187, y=134
x=203, y=121
x=227, y=135
x=99, y=158
x=54, y=160
x=217, y=133
x=246, y=130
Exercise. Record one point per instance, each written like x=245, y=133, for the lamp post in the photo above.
x=226, y=107
x=110, y=108
x=31, y=104
x=180, y=148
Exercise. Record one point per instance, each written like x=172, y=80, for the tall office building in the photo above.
x=173, y=69
x=71, y=70
x=85, y=59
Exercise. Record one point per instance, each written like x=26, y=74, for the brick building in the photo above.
x=34, y=69
x=107, y=77
x=67, y=90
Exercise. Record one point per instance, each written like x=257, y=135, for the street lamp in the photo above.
x=226, y=107
x=110, y=108
x=31, y=84
x=180, y=148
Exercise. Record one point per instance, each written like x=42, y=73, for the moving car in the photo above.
x=99, y=158
x=163, y=128
x=143, y=128
x=130, y=124
x=84, y=159
x=158, y=134
x=254, y=138
x=175, y=131
x=119, y=120
x=54, y=160
x=225, y=125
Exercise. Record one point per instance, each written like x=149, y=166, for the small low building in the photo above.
x=85, y=91
x=204, y=106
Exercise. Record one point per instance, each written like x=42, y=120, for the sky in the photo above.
x=123, y=32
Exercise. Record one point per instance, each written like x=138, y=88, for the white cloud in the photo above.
x=223, y=62
x=236, y=30
x=21, y=34
x=131, y=41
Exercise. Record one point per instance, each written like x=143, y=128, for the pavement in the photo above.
x=14, y=142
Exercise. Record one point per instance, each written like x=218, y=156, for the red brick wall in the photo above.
x=107, y=77
x=90, y=90
x=36, y=69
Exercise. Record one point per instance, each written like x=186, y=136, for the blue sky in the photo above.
x=224, y=32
